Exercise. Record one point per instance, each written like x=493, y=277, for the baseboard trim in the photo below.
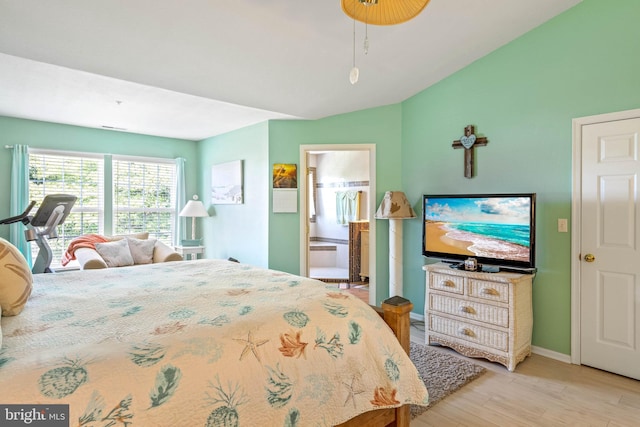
x=561, y=357
x=416, y=316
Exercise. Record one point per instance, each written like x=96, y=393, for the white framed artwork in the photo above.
x=226, y=183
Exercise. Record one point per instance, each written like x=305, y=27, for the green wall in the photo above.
x=73, y=138
x=523, y=98
x=238, y=231
x=380, y=126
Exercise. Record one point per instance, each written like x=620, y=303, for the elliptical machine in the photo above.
x=43, y=225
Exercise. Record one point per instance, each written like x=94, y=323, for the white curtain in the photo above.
x=19, y=197
x=179, y=222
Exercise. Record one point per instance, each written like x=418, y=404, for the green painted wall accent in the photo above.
x=73, y=138
x=523, y=97
x=380, y=126
x=238, y=231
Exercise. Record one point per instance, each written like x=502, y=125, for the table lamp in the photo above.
x=194, y=208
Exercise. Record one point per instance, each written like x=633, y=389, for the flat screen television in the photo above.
x=495, y=229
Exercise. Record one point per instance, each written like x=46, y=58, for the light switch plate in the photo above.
x=563, y=226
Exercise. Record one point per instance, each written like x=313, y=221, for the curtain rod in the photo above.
x=142, y=158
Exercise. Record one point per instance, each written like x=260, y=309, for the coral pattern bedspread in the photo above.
x=201, y=343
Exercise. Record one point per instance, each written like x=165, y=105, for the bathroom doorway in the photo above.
x=336, y=211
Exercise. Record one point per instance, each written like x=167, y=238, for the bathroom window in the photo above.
x=313, y=193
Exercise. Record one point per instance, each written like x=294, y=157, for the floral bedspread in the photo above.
x=201, y=343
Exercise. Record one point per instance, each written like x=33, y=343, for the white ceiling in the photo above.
x=200, y=68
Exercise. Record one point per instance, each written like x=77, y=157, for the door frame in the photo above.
x=304, y=240
x=576, y=218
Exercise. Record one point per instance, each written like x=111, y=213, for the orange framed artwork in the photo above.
x=285, y=175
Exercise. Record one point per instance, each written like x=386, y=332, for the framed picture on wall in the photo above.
x=285, y=175
x=226, y=183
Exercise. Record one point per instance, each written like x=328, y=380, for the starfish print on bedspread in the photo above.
x=251, y=345
x=352, y=392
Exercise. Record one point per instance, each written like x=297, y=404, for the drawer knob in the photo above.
x=489, y=291
x=466, y=332
x=447, y=284
x=466, y=309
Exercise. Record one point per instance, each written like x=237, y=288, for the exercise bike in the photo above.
x=43, y=226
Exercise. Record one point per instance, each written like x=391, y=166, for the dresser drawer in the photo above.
x=492, y=291
x=498, y=316
x=464, y=331
x=446, y=283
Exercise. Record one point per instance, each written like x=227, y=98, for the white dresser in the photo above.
x=479, y=314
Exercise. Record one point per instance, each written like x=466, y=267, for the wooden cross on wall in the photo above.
x=469, y=141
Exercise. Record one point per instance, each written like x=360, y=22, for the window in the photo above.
x=312, y=192
x=81, y=176
x=143, y=194
x=144, y=197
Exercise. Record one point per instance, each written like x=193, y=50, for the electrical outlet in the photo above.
x=563, y=227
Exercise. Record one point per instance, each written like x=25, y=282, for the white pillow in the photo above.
x=141, y=250
x=115, y=254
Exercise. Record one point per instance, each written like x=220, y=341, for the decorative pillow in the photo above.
x=141, y=250
x=141, y=236
x=115, y=254
x=15, y=279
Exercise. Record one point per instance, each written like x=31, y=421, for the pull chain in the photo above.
x=366, y=31
x=355, y=73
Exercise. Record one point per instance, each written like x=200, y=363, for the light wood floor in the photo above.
x=541, y=392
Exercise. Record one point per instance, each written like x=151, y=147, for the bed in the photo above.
x=207, y=343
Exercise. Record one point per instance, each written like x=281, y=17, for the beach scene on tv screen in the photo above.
x=488, y=227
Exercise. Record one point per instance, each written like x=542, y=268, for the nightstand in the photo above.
x=191, y=251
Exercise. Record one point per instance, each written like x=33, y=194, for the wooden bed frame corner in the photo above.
x=395, y=311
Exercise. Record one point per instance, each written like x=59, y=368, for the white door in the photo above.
x=610, y=255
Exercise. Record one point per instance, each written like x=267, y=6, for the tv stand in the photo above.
x=479, y=314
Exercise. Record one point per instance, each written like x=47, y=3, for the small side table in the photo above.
x=191, y=251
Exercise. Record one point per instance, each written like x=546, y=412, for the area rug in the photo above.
x=442, y=373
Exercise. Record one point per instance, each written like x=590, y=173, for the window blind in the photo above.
x=81, y=176
x=144, y=197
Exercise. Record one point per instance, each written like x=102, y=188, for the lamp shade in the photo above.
x=395, y=205
x=194, y=208
x=383, y=12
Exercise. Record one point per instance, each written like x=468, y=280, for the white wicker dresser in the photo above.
x=479, y=314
